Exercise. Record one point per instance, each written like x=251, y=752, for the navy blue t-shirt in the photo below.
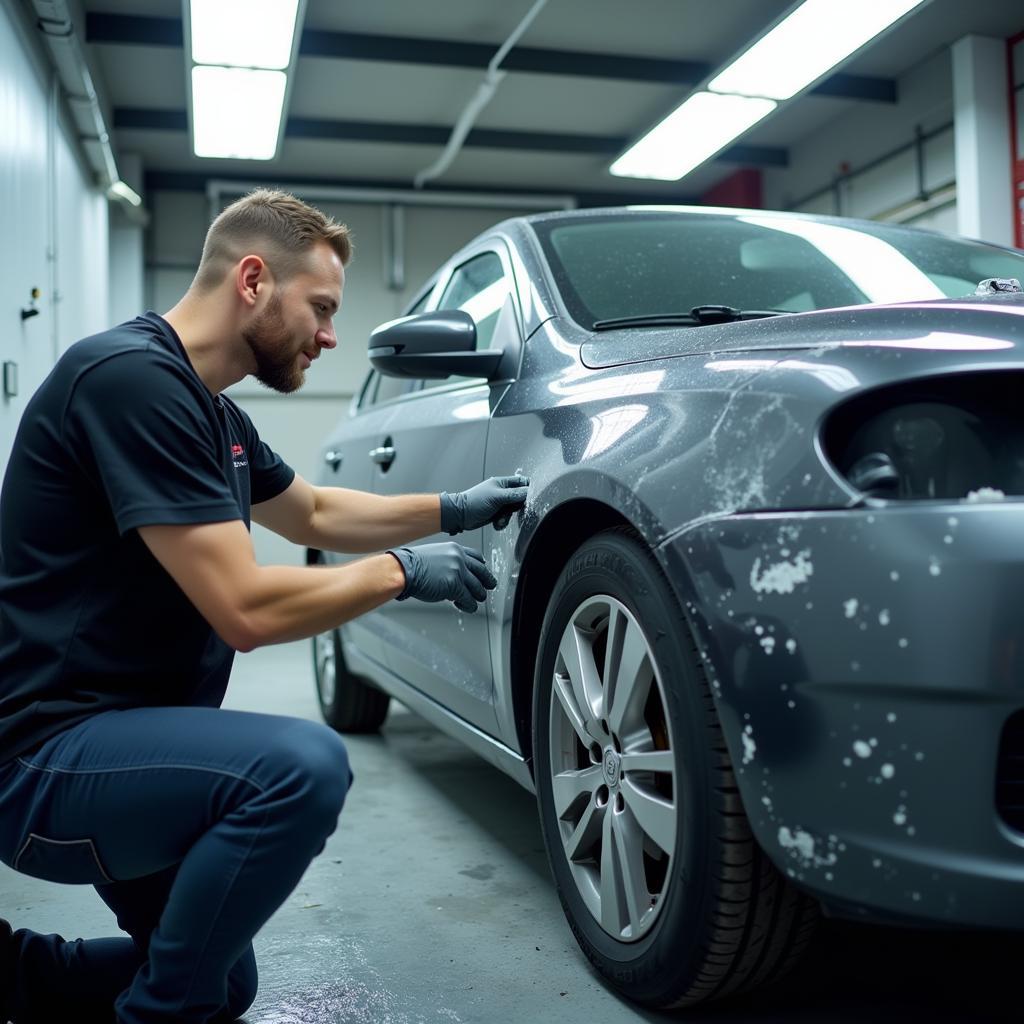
x=122, y=433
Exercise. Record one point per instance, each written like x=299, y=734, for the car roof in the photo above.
x=728, y=212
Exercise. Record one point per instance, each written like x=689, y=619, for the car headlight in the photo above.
x=939, y=438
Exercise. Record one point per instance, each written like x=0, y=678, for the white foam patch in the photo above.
x=804, y=846
x=782, y=577
x=749, y=746
x=986, y=494
x=850, y=607
x=768, y=643
x=499, y=566
x=862, y=749
x=802, y=842
x=741, y=471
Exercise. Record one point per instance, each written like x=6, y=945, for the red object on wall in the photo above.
x=742, y=188
x=1016, y=140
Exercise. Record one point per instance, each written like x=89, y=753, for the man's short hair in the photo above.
x=275, y=226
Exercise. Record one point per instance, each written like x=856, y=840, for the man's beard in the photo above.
x=277, y=365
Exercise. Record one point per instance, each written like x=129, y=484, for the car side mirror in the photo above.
x=431, y=345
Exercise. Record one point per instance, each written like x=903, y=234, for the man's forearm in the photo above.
x=286, y=602
x=356, y=521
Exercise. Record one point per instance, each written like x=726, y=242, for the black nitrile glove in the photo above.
x=445, y=572
x=492, y=501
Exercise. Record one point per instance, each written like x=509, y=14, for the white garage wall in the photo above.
x=867, y=132
x=294, y=425
x=53, y=222
x=81, y=246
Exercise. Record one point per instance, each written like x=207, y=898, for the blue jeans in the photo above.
x=194, y=825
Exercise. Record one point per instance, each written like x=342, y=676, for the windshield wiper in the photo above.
x=697, y=317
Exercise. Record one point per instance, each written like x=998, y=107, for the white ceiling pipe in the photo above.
x=58, y=30
x=484, y=92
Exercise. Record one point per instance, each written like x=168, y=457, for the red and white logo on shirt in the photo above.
x=238, y=456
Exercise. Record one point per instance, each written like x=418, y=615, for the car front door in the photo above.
x=344, y=463
x=436, y=440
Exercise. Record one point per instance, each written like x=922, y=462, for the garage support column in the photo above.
x=981, y=125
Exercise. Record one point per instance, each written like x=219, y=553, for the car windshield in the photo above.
x=641, y=263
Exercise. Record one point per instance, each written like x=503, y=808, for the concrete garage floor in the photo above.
x=433, y=903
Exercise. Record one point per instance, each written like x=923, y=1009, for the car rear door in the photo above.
x=435, y=441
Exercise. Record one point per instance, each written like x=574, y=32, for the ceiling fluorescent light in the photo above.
x=243, y=33
x=811, y=41
x=691, y=134
x=236, y=112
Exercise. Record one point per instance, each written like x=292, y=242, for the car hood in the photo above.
x=934, y=322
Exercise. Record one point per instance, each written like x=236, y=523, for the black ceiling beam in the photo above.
x=146, y=118
x=138, y=29
x=195, y=181
x=437, y=135
x=857, y=87
x=142, y=30
x=404, y=50
x=754, y=156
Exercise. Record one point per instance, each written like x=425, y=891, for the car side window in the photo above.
x=421, y=305
x=480, y=288
x=392, y=387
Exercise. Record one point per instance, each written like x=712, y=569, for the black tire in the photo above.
x=721, y=919
x=348, y=703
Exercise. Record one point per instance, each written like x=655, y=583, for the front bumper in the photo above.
x=865, y=663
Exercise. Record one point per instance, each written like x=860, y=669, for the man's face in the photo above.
x=295, y=324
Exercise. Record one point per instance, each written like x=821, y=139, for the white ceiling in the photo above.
x=153, y=78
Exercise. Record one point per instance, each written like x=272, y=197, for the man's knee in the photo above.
x=316, y=762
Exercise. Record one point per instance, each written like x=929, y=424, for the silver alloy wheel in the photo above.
x=326, y=667
x=613, y=768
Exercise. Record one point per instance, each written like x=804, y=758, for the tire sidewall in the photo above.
x=617, y=565
x=329, y=711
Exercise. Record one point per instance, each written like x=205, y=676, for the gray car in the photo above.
x=756, y=642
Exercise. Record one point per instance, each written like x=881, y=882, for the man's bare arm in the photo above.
x=338, y=519
x=250, y=605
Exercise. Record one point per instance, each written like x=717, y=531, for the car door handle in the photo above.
x=333, y=459
x=383, y=456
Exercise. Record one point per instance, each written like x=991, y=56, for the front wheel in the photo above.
x=658, y=873
x=348, y=702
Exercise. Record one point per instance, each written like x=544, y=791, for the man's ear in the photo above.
x=250, y=273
